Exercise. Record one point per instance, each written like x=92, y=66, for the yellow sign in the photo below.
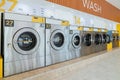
x=80, y=28
x=105, y=30
x=3, y=3
x=91, y=29
x=38, y=19
x=99, y=30
x=65, y=23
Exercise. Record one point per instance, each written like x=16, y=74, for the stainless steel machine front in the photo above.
x=87, y=43
x=105, y=40
x=115, y=40
x=75, y=39
x=57, y=40
x=23, y=46
x=97, y=41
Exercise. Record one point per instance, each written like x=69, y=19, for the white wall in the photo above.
x=47, y=9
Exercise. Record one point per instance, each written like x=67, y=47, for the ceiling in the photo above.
x=115, y=3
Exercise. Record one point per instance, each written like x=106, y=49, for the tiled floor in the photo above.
x=93, y=67
x=106, y=69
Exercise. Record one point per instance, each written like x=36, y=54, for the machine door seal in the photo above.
x=97, y=39
x=100, y=39
x=76, y=40
x=117, y=36
x=108, y=38
x=114, y=38
x=26, y=41
x=104, y=38
x=88, y=39
x=57, y=39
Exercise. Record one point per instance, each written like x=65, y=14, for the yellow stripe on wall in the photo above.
x=13, y=5
x=2, y=3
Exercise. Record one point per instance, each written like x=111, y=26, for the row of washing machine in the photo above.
x=28, y=44
x=94, y=41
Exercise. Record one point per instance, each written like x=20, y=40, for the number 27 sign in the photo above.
x=3, y=3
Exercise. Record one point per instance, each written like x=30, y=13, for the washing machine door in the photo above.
x=108, y=40
x=100, y=38
x=57, y=39
x=117, y=37
x=88, y=39
x=104, y=38
x=113, y=39
x=97, y=38
x=76, y=41
x=26, y=41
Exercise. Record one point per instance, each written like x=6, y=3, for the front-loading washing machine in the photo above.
x=97, y=41
x=57, y=40
x=87, y=43
x=115, y=40
x=23, y=43
x=104, y=42
x=106, y=39
x=118, y=39
x=74, y=42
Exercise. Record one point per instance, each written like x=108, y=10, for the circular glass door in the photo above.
x=108, y=38
x=100, y=38
x=57, y=39
x=114, y=38
x=104, y=38
x=76, y=40
x=117, y=37
x=26, y=41
x=87, y=39
x=97, y=39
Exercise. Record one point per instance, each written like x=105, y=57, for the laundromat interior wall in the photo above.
x=52, y=10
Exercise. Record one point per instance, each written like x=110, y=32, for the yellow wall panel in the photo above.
x=109, y=46
x=1, y=67
x=118, y=27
